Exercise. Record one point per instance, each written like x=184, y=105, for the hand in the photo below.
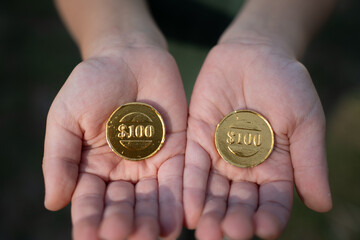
x=114, y=198
x=224, y=200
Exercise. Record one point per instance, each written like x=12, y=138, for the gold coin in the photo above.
x=135, y=131
x=244, y=138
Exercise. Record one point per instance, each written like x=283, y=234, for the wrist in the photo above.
x=288, y=25
x=105, y=43
x=96, y=25
x=256, y=38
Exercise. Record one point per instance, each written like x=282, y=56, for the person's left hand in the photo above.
x=223, y=200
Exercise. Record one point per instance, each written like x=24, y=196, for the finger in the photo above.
x=146, y=210
x=119, y=211
x=215, y=207
x=170, y=196
x=275, y=201
x=308, y=153
x=62, y=153
x=197, y=166
x=87, y=207
x=242, y=204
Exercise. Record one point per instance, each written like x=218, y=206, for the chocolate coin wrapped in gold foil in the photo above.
x=135, y=131
x=244, y=138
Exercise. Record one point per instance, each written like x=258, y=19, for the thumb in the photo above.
x=62, y=154
x=308, y=153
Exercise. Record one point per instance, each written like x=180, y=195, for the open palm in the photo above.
x=114, y=198
x=221, y=199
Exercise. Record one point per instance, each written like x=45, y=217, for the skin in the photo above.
x=125, y=60
x=239, y=202
x=114, y=198
x=253, y=67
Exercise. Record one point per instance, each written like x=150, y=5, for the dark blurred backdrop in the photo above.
x=37, y=55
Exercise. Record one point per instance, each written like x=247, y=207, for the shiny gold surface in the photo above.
x=244, y=138
x=135, y=131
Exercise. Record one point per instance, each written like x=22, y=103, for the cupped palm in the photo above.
x=221, y=199
x=113, y=198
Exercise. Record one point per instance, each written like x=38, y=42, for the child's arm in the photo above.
x=97, y=24
x=125, y=60
x=254, y=67
x=289, y=24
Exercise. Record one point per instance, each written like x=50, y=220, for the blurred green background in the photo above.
x=37, y=55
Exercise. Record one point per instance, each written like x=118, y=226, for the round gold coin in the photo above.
x=135, y=131
x=244, y=138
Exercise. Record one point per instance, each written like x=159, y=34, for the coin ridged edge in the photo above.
x=162, y=126
x=267, y=123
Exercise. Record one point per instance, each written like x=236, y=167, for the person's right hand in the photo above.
x=114, y=198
